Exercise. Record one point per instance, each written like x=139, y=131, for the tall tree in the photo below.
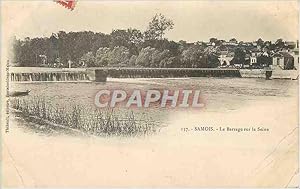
x=158, y=26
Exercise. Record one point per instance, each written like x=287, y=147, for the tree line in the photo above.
x=121, y=48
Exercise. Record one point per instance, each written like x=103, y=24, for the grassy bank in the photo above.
x=104, y=122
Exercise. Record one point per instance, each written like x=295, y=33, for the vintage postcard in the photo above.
x=150, y=94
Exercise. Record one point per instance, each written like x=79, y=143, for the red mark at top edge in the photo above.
x=68, y=4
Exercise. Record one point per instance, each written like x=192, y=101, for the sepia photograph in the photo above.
x=150, y=93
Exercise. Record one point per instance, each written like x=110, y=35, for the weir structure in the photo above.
x=49, y=76
x=170, y=72
x=100, y=74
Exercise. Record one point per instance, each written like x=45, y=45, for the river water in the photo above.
x=222, y=95
x=173, y=157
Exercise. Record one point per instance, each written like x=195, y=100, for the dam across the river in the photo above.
x=36, y=74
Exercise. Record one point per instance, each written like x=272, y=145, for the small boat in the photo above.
x=19, y=93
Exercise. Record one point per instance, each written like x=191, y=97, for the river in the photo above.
x=172, y=157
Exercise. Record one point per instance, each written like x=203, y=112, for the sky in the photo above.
x=194, y=20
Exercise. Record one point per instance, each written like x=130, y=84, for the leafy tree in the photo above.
x=192, y=57
x=145, y=56
x=171, y=62
x=158, y=26
x=129, y=38
x=100, y=40
x=88, y=60
x=161, y=45
x=158, y=57
x=118, y=56
x=135, y=36
x=151, y=57
x=119, y=38
x=102, y=56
